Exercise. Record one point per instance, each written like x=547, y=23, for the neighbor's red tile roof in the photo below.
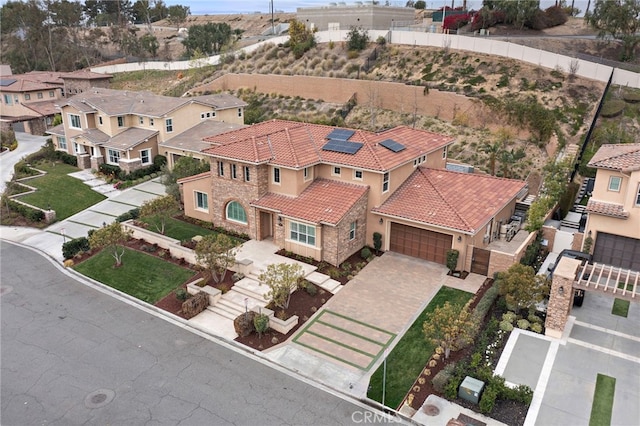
x=297, y=145
x=607, y=209
x=460, y=201
x=324, y=201
x=622, y=157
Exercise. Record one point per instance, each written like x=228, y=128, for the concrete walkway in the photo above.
x=345, y=342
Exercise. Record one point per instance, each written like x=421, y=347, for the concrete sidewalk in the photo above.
x=27, y=144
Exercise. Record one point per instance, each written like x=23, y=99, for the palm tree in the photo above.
x=493, y=150
x=509, y=158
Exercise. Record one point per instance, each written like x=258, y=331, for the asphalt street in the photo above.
x=72, y=355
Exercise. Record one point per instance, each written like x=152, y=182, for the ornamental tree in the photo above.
x=521, y=287
x=282, y=279
x=111, y=237
x=451, y=327
x=161, y=209
x=216, y=253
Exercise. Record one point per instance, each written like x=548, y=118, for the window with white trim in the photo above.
x=51, y=94
x=336, y=171
x=247, y=174
x=74, y=121
x=305, y=234
x=236, y=213
x=8, y=99
x=385, y=182
x=39, y=95
x=614, y=183
x=357, y=174
x=78, y=149
x=145, y=156
x=276, y=175
x=234, y=171
x=113, y=157
x=352, y=230
x=120, y=121
x=141, y=119
x=306, y=173
x=151, y=123
x=168, y=123
x=239, y=112
x=220, y=168
x=100, y=120
x=638, y=196
x=27, y=96
x=444, y=152
x=202, y=201
x=62, y=142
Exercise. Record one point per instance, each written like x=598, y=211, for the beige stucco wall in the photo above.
x=189, y=198
x=365, y=16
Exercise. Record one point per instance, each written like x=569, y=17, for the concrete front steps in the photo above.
x=232, y=303
x=325, y=282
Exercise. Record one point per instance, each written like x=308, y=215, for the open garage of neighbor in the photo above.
x=616, y=250
x=421, y=243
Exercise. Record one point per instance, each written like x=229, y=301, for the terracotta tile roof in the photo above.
x=621, y=157
x=324, y=201
x=192, y=139
x=24, y=84
x=606, y=209
x=460, y=201
x=84, y=74
x=129, y=138
x=297, y=145
x=199, y=176
x=43, y=107
x=120, y=102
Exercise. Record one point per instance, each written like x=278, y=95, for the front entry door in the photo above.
x=266, y=225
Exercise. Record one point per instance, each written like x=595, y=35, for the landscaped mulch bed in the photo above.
x=341, y=274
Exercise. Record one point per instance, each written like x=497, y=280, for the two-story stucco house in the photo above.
x=323, y=192
x=29, y=100
x=614, y=208
x=123, y=128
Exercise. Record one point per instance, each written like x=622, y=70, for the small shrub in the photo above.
x=612, y=108
x=488, y=400
x=311, y=289
x=510, y=317
x=68, y=263
x=432, y=363
x=536, y=327
x=261, y=323
x=181, y=294
x=506, y=326
x=533, y=319
x=523, y=324
x=365, y=253
x=75, y=246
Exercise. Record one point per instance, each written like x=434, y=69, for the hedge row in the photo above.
x=75, y=246
x=31, y=214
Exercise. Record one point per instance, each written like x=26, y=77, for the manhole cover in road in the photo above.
x=431, y=410
x=99, y=398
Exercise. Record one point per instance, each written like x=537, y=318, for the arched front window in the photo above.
x=236, y=213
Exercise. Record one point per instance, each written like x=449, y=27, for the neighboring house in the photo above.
x=124, y=129
x=339, y=16
x=614, y=207
x=29, y=100
x=322, y=191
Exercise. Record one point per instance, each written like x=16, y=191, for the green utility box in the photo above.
x=471, y=389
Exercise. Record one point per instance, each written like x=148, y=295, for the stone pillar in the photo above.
x=561, y=296
x=96, y=161
x=84, y=161
x=49, y=216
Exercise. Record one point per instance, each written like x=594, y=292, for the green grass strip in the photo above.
x=620, y=307
x=411, y=353
x=178, y=229
x=353, y=333
x=353, y=364
x=358, y=322
x=344, y=345
x=143, y=276
x=602, y=406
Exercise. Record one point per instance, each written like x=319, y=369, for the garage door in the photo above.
x=416, y=242
x=617, y=250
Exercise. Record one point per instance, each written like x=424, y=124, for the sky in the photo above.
x=203, y=7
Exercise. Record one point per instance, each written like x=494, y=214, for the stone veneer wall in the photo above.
x=549, y=234
x=560, y=301
x=576, y=244
x=336, y=246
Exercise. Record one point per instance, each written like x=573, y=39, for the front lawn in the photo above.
x=602, y=401
x=411, y=353
x=62, y=193
x=141, y=275
x=175, y=228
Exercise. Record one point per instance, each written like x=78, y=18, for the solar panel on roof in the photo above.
x=340, y=134
x=392, y=145
x=7, y=81
x=342, y=146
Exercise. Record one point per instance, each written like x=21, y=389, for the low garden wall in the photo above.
x=167, y=243
x=281, y=326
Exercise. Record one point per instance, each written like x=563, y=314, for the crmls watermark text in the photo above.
x=368, y=417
